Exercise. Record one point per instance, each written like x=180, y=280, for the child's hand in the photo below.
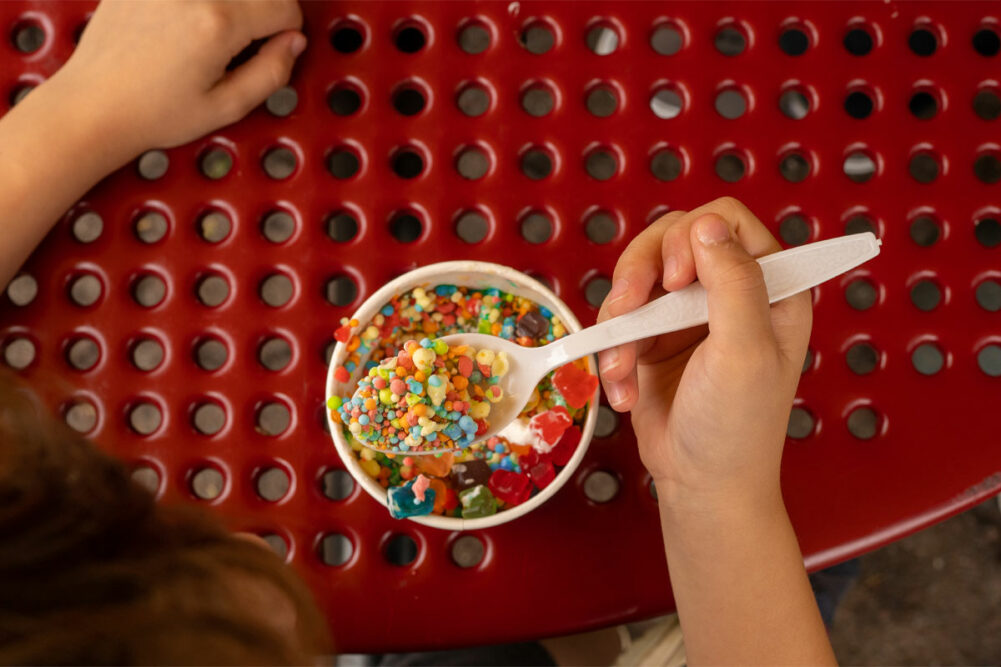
x=710, y=412
x=156, y=70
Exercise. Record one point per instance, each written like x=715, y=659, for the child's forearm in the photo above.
x=741, y=589
x=54, y=146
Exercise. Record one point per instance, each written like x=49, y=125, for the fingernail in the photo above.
x=619, y=289
x=609, y=360
x=615, y=392
x=670, y=267
x=711, y=230
x=297, y=44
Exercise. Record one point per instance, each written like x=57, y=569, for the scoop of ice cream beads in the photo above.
x=429, y=396
x=477, y=501
x=414, y=498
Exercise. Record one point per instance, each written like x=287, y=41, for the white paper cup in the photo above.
x=477, y=275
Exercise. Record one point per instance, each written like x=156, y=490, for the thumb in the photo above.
x=252, y=82
x=739, y=313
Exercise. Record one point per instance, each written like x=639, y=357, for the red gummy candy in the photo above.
x=542, y=473
x=465, y=366
x=563, y=451
x=528, y=459
x=551, y=424
x=576, y=385
x=343, y=334
x=511, y=487
x=341, y=374
x=481, y=426
x=451, y=499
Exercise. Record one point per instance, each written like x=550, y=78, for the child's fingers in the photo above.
x=676, y=254
x=250, y=84
x=739, y=314
x=263, y=18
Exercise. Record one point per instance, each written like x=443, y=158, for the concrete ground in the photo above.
x=931, y=598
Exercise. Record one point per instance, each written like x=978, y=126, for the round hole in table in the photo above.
x=23, y=289
x=537, y=227
x=602, y=39
x=794, y=103
x=472, y=226
x=282, y=102
x=601, y=486
x=151, y=226
x=208, y=417
x=272, y=484
x=147, y=477
x=538, y=99
x=986, y=41
x=667, y=39
x=863, y=422
x=215, y=162
x=795, y=229
x=473, y=38
x=407, y=162
x=210, y=354
x=473, y=100
x=81, y=415
x=861, y=294
x=859, y=103
x=212, y=290
x=83, y=353
x=19, y=352
x=602, y=100
x=858, y=41
x=273, y=418
x=926, y=295
x=207, y=483
x=147, y=354
x=731, y=103
x=730, y=166
x=987, y=168
x=145, y=417
x=666, y=164
x=927, y=359
x=923, y=104
x=538, y=37
x=601, y=163
x=794, y=40
x=923, y=41
x=987, y=103
x=988, y=295
x=347, y=37
x=596, y=289
x=795, y=166
x=214, y=226
x=87, y=227
x=335, y=549
x=410, y=38
x=860, y=223
x=862, y=358
x=276, y=290
x=730, y=40
x=19, y=92
x=345, y=99
x=537, y=163
x=278, y=226
x=801, y=423
x=342, y=226
x=601, y=227
x=337, y=485
x=925, y=230
x=987, y=231
x=608, y=422
x=279, y=162
x=859, y=166
x=85, y=290
x=28, y=36
x=275, y=353
x=924, y=167
x=467, y=551
x=277, y=544
x=472, y=162
x=153, y=165
x=341, y=290
x=343, y=163
x=405, y=226
x=989, y=360
x=409, y=100
x=667, y=102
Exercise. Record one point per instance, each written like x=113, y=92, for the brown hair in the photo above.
x=93, y=571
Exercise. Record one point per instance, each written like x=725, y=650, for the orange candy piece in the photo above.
x=435, y=466
x=440, y=494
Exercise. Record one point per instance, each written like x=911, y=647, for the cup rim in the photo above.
x=425, y=275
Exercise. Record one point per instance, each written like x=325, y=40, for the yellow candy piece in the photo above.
x=370, y=467
x=424, y=358
x=479, y=409
x=501, y=365
x=485, y=357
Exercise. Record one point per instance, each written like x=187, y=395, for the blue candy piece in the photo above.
x=363, y=419
x=426, y=343
x=467, y=424
x=545, y=312
x=445, y=290
x=350, y=366
x=387, y=310
x=431, y=437
x=453, y=431
x=434, y=381
x=403, y=503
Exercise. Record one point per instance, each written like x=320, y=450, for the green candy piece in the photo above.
x=477, y=502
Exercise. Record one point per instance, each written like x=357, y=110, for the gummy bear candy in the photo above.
x=477, y=502
x=564, y=449
x=542, y=473
x=511, y=487
x=575, y=384
x=434, y=465
x=402, y=502
x=548, y=426
x=468, y=474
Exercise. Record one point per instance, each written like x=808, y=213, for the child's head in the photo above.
x=93, y=571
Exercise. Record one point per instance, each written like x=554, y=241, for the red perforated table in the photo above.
x=566, y=127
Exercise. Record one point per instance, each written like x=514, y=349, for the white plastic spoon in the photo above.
x=786, y=273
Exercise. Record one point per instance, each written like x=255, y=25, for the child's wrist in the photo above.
x=686, y=500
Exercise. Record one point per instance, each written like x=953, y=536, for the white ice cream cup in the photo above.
x=477, y=275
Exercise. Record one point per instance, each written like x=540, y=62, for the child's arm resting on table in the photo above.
x=710, y=414
x=144, y=75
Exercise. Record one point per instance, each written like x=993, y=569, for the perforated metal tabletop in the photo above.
x=181, y=313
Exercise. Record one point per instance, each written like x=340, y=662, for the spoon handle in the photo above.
x=786, y=273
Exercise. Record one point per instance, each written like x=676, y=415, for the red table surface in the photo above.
x=573, y=564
